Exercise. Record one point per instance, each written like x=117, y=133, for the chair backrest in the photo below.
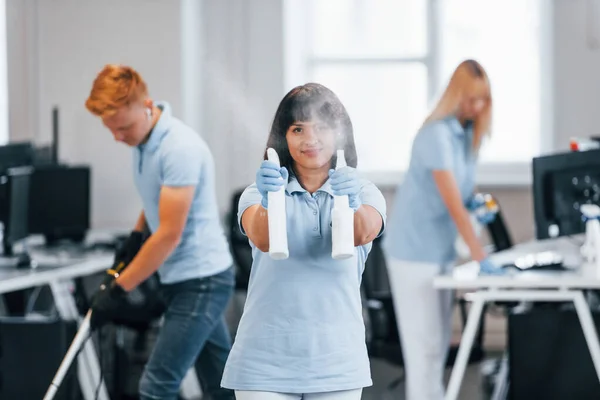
x=239, y=246
x=375, y=278
x=498, y=231
x=378, y=296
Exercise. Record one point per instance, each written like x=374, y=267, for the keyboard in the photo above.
x=543, y=260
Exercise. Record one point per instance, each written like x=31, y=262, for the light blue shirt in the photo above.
x=175, y=155
x=302, y=329
x=420, y=227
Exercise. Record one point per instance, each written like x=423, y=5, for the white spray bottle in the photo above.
x=342, y=221
x=278, y=243
x=590, y=250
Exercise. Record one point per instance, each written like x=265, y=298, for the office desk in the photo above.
x=12, y=279
x=57, y=269
x=523, y=286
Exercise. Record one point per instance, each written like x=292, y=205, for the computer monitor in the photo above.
x=59, y=204
x=16, y=154
x=15, y=187
x=561, y=183
x=43, y=155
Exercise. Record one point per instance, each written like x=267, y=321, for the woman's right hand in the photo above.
x=486, y=267
x=270, y=178
x=477, y=252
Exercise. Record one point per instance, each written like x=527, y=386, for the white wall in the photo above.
x=21, y=19
x=577, y=73
x=56, y=48
x=3, y=78
x=243, y=72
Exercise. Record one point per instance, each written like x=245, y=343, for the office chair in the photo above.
x=383, y=340
x=498, y=231
x=239, y=246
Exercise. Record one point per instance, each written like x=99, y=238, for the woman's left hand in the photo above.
x=345, y=181
x=486, y=217
x=477, y=205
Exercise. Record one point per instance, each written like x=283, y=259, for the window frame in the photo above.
x=299, y=63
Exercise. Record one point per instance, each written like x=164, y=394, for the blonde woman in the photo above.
x=431, y=207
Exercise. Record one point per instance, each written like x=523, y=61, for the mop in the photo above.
x=77, y=343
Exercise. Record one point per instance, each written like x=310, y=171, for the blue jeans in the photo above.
x=194, y=331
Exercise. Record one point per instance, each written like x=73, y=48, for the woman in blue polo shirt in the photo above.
x=431, y=207
x=302, y=335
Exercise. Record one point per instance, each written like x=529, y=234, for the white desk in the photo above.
x=12, y=279
x=57, y=270
x=523, y=286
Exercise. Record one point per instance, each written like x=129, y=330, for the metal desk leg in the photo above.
x=464, y=349
x=589, y=329
x=88, y=367
x=501, y=388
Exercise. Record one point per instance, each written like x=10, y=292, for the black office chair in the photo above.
x=125, y=343
x=498, y=231
x=383, y=340
x=239, y=246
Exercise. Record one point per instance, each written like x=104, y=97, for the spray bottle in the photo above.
x=488, y=204
x=278, y=243
x=590, y=250
x=342, y=224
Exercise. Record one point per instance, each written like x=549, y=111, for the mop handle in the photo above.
x=77, y=343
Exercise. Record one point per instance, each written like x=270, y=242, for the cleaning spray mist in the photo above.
x=342, y=223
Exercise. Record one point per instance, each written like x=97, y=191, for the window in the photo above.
x=511, y=55
x=388, y=60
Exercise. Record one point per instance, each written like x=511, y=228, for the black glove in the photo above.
x=130, y=247
x=106, y=303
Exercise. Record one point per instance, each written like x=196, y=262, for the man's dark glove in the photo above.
x=130, y=247
x=106, y=303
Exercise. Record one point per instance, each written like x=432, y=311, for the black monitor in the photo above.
x=43, y=155
x=59, y=206
x=15, y=196
x=16, y=154
x=561, y=183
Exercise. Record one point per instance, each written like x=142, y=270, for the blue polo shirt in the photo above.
x=175, y=155
x=302, y=329
x=420, y=227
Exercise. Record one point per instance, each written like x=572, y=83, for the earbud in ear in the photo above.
x=149, y=112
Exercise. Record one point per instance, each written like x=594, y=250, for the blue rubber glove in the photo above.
x=473, y=205
x=486, y=267
x=344, y=181
x=269, y=178
x=486, y=217
x=474, y=202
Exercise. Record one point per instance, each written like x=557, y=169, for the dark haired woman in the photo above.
x=302, y=335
